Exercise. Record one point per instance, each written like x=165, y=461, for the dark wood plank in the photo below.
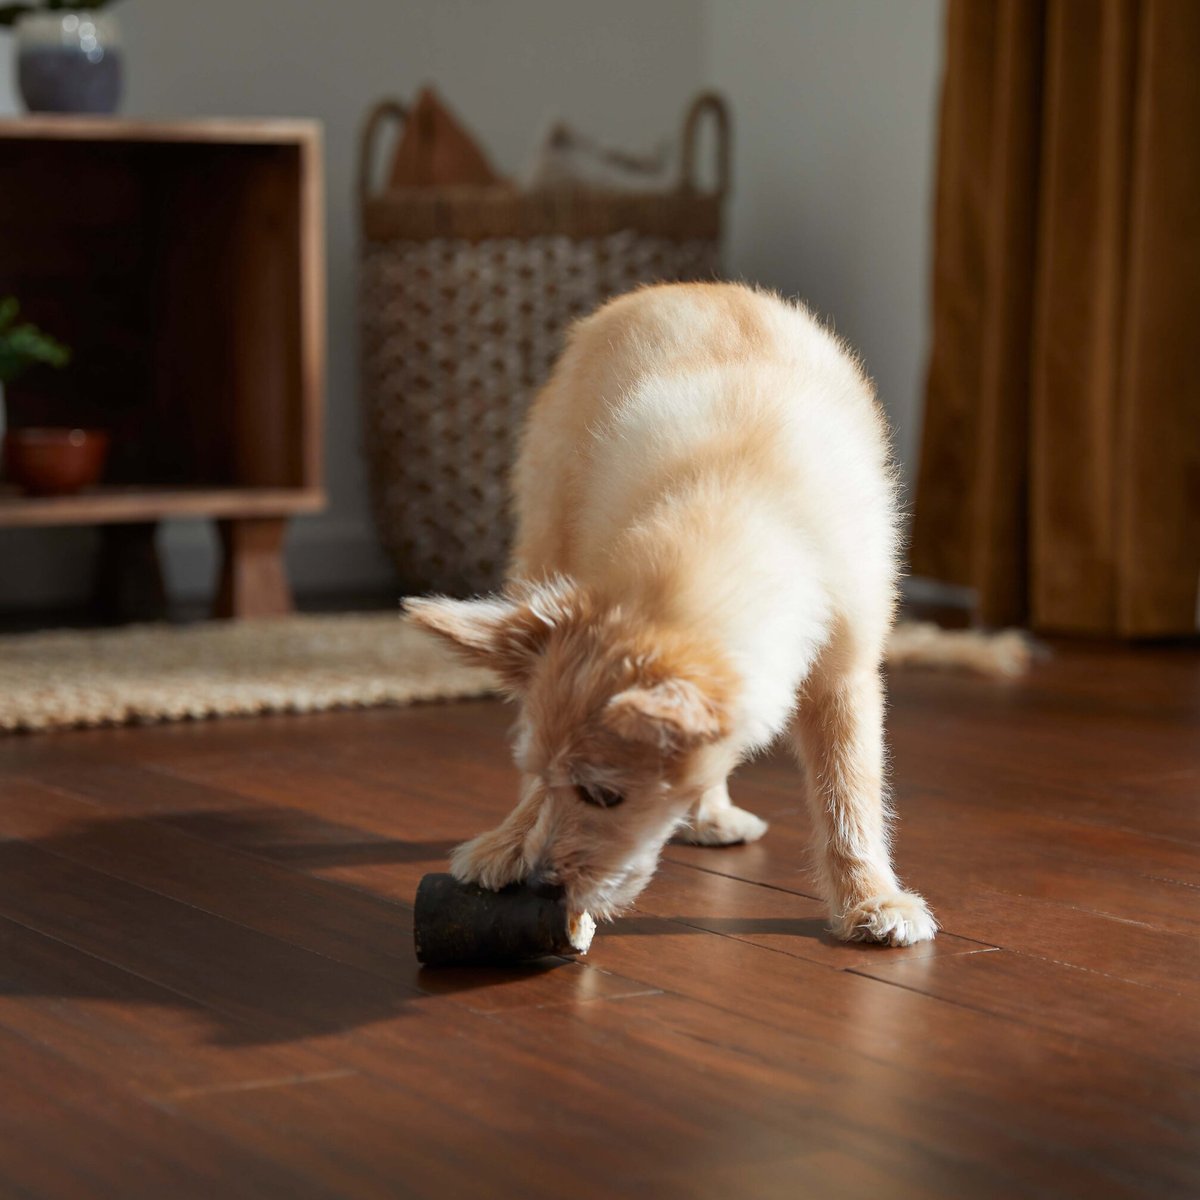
x=73, y=1133
x=1155, y=1024
x=358, y=1137
x=786, y=1088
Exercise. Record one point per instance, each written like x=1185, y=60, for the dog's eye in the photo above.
x=600, y=797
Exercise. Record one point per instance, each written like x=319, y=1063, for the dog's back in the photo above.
x=711, y=458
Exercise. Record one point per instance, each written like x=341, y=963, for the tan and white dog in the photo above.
x=706, y=556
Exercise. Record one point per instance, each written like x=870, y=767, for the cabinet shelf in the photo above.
x=119, y=505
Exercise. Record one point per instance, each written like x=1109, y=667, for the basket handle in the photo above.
x=714, y=103
x=384, y=111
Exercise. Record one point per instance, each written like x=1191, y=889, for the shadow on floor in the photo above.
x=214, y=912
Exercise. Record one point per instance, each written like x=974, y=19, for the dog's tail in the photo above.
x=1003, y=655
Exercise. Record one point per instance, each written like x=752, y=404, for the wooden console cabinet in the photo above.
x=183, y=263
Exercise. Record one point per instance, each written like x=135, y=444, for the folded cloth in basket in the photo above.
x=435, y=149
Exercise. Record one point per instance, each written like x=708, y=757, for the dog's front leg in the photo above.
x=507, y=853
x=839, y=737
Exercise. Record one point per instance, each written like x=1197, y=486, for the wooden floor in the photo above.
x=207, y=986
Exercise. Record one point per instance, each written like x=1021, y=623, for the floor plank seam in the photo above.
x=978, y=948
x=733, y=937
x=1010, y=1018
x=188, y=1000
x=1058, y=962
x=1083, y=908
x=1116, y=827
x=256, y=1085
x=635, y=993
x=1175, y=882
x=1089, y=910
x=774, y=887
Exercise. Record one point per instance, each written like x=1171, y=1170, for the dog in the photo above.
x=706, y=556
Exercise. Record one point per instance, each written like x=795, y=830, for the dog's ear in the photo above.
x=505, y=632
x=674, y=715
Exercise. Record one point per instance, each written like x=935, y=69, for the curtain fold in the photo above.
x=1060, y=465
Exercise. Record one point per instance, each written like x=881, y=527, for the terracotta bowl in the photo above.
x=55, y=462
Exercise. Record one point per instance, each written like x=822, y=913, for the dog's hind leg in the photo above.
x=838, y=733
x=716, y=821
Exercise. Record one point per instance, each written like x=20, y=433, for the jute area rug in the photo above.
x=147, y=673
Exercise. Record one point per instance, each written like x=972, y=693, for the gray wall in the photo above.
x=835, y=106
x=833, y=101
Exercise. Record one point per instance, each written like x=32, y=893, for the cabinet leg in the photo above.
x=129, y=581
x=253, y=581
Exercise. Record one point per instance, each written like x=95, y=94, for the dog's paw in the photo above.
x=491, y=860
x=895, y=919
x=726, y=827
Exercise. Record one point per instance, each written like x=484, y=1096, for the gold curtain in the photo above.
x=1060, y=463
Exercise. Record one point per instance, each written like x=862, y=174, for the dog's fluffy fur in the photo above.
x=705, y=557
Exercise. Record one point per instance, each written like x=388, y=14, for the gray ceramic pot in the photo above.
x=69, y=62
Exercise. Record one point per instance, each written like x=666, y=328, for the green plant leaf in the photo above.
x=25, y=345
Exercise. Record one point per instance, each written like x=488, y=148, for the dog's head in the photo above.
x=618, y=735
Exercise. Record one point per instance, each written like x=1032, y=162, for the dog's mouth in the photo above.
x=604, y=898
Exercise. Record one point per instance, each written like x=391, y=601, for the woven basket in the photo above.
x=466, y=295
